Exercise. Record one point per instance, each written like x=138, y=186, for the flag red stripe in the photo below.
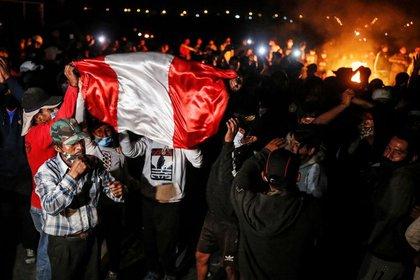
x=100, y=89
x=199, y=99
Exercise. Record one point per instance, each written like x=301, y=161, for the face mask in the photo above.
x=237, y=141
x=70, y=158
x=366, y=131
x=104, y=142
x=53, y=114
x=391, y=165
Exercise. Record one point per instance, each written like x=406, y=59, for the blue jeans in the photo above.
x=43, y=268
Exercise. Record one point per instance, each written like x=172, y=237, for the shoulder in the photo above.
x=50, y=167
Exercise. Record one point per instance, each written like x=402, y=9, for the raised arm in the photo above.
x=132, y=149
x=330, y=115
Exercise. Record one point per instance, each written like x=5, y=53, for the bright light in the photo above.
x=139, y=34
x=276, y=15
x=197, y=15
x=259, y=15
x=249, y=41
x=250, y=13
x=138, y=10
x=184, y=12
x=163, y=12
x=356, y=78
x=107, y=9
x=300, y=16
x=152, y=36
x=356, y=33
x=205, y=11
x=101, y=39
x=356, y=64
x=227, y=12
x=262, y=50
x=237, y=16
x=285, y=18
x=85, y=8
x=249, y=18
x=147, y=11
x=386, y=33
x=147, y=36
x=291, y=21
x=296, y=53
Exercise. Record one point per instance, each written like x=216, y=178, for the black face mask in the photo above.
x=391, y=165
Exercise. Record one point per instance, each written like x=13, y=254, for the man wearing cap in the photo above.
x=278, y=226
x=39, y=110
x=69, y=185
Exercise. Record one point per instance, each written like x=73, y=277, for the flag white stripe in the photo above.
x=144, y=105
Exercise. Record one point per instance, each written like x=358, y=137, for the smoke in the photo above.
x=354, y=30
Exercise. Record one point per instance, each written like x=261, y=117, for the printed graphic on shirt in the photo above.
x=162, y=162
x=107, y=160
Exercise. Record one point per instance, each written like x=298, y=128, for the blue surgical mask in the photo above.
x=104, y=142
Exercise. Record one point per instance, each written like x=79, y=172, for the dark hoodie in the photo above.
x=277, y=233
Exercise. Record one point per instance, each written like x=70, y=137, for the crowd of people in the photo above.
x=309, y=176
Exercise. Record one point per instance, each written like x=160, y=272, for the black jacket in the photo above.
x=14, y=167
x=219, y=185
x=277, y=233
x=392, y=202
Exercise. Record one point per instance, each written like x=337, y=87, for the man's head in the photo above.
x=68, y=139
x=400, y=148
x=103, y=133
x=281, y=170
x=38, y=107
x=305, y=141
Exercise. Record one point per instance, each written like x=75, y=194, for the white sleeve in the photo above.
x=80, y=108
x=90, y=146
x=194, y=156
x=132, y=149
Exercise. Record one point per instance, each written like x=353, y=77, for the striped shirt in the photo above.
x=68, y=205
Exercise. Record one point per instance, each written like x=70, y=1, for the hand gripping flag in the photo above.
x=169, y=100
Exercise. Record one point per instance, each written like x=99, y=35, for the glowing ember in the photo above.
x=356, y=78
x=338, y=20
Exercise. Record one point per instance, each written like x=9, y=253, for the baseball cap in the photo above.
x=282, y=169
x=381, y=93
x=67, y=132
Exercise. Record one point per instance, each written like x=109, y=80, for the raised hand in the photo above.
x=232, y=128
x=276, y=144
x=71, y=76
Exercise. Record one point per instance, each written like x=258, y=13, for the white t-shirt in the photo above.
x=163, y=166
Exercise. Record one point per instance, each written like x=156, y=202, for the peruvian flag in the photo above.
x=169, y=100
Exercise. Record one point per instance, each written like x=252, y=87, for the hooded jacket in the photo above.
x=277, y=232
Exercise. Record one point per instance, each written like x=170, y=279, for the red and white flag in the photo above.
x=169, y=100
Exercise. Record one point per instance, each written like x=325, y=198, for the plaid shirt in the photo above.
x=69, y=206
